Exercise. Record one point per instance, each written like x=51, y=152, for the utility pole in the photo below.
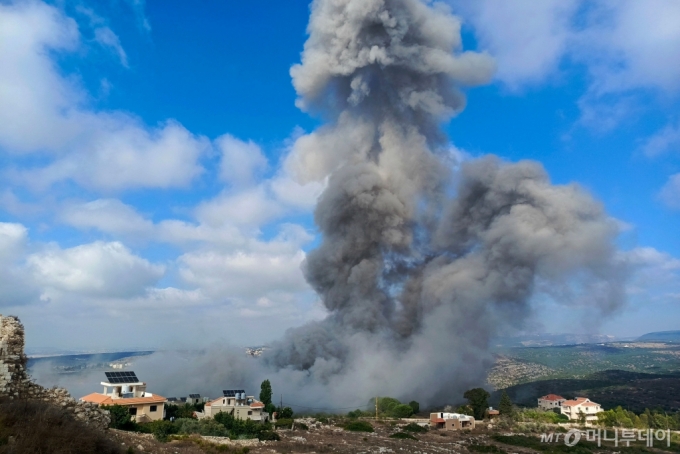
x=376, y=408
x=281, y=407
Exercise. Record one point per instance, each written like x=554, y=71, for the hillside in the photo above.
x=632, y=390
x=518, y=365
x=661, y=336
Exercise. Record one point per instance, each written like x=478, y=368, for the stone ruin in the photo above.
x=15, y=383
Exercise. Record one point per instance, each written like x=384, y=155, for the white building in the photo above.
x=580, y=406
x=550, y=401
x=236, y=403
x=451, y=421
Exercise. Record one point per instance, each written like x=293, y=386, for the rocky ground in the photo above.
x=320, y=439
x=484, y=439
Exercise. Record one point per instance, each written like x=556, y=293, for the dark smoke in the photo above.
x=418, y=274
x=422, y=262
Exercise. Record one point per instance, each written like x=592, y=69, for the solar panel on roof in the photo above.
x=232, y=392
x=121, y=377
x=195, y=396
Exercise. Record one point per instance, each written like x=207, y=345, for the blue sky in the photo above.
x=147, y=197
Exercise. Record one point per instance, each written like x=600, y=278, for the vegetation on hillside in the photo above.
x=359, y=426
x=478, y=400
x=30, y=427
x=632, y=390
x=649, y=419
x=528, y=364
x=388, y=407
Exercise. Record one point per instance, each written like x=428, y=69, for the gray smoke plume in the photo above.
x=420, y=265
x=418, y=273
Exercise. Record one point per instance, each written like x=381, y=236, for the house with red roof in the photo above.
x=550, y=401
x=123, y=388
x=581, y=407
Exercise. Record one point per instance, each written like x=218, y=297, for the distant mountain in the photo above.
x=547, y=340
x=661, y=336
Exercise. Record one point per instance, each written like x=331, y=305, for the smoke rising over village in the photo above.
x=422, y=259
x=418, y=272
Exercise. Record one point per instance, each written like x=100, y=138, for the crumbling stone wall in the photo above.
x=15, y=383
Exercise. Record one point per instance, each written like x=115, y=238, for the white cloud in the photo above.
x=244, y=275
x=670, y=194
x=631, y=44
x=665, y=140
x=624, y=45
x=107, y=38
x=98, y=269
x=44, y=112
x=527, y=38
x=138, y=7
x=15, y=285
x=107, y=215
x=654, y=274
x=249, y=208
x=242, y=162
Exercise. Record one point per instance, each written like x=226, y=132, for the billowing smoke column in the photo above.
x=416, y=272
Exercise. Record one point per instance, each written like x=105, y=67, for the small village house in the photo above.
x=492, y=413
x=581, y=406
x=194, y=399
x=550, y=402
x=123, y=388
x=236, y=403
x=451, y=421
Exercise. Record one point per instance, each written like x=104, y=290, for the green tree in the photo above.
x=120, y=417
x=465, y=410
x=284, y=413
x=415, y=406
x=582, y=417
x=266, y=397
x=266, y=392
x=387, y=404
x=505, y=406
x=478, y=398
x=401, y=411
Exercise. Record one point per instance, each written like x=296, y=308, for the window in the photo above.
x=133, y=411
x=250, y=413
x=153, y=408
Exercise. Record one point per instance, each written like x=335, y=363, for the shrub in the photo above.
x=493, y=449
x=355, y=414
x=283, y=423
x=38, y=427
x=359, y=426
x=403, y=436
x=120, y=417
x=301, y=426
x=415, y=406
x=583, y=447
x=415, y=428
x=239, y=427
x=182, y=411
x=268, y=435
x=161, y=430
x=284, y=413
x=208, y=427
